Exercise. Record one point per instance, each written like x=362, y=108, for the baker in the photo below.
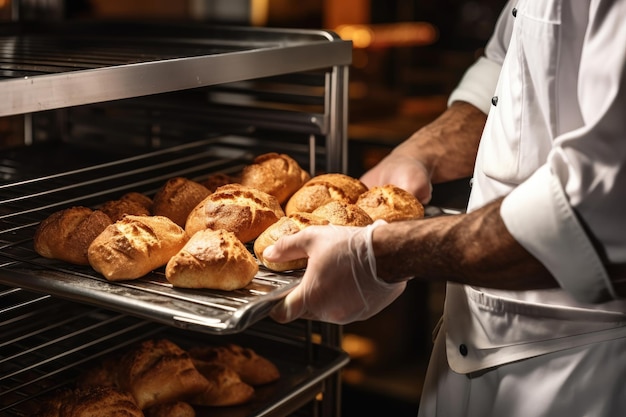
x=534, y=317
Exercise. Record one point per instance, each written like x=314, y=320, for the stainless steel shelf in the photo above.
x=46, y=67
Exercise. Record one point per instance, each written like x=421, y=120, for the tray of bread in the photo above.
x=190, y=253
x=149, y=370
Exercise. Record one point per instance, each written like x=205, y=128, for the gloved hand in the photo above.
x=403, y=171
x=340, y=283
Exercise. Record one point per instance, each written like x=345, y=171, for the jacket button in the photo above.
x=514, y=12
x=463, y=350
x=494, y=100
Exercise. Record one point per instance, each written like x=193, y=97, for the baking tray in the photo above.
x=25, y=202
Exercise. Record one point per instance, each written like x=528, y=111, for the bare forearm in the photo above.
x=474, y=249
x=448, y=145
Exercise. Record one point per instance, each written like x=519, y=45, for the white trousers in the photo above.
x=585, y=381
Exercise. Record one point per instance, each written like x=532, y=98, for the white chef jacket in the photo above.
x=553, y=82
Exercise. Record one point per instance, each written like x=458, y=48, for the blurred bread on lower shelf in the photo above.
x=90, y=401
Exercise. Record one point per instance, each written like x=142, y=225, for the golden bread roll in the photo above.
x=343, y=214
x=103, y=374
x=390, y=203
x=175, y=409
x=90, y=402
x=132, y=247
x=214, y=259
x=67, y=234
x=177, y=197
x=214, y=181
x=323, y=189
x=116, y=209
x=254, y=369
x=139, y=198
x=286, y=225
x=276, y=174
x=159, y=372
x=243, y=210
x=225, y=387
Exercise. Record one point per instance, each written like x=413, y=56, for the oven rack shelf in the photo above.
x=25, y=202
x=46, y=343
x=46, y=66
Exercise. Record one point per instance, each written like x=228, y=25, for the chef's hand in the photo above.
x=340, y=283
x=401, y=170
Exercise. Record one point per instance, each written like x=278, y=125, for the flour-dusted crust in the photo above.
x=66, y=234
x=323, y=189
x=276, y=174
x=240, y=209
x=214, y=259
x=132, y=247
x=390, y=203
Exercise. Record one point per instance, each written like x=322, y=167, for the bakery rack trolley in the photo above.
x=104, y=108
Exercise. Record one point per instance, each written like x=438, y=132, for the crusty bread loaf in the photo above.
x=225, y=387
x=243, y=210
x=177, y=197
x=276, y=174
x=116, y=209
x=322, y=189
x=103, y=374
x=254, y=369
x=90, y=402
x=174, y=409
x=215, y=181
x=67, y=234
x=159, y=372
x=342, y=213
x=214, y=259
x=141, y=199
x=390, y=203
x=286, y=225
x=132, y=247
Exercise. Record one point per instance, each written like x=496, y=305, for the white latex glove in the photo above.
x=403, y=171
x=340, y=283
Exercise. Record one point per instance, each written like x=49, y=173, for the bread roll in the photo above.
x=175, y=409
x=141, y=199
x=213, y=259
x=159, y=372
x=286, y=225
x=243, y=210
x=225, y=387
x=116, y=209
x=254, y=369
x=132, y=247
x=323, y=189
x=90, y=402
x=390, y=203
x=67, y=234
x=177, y=197
x=214, y=181
x=276, y=174
x=343, y=214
